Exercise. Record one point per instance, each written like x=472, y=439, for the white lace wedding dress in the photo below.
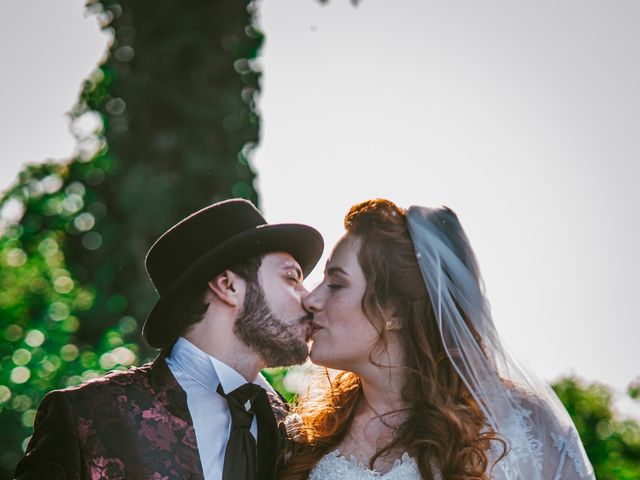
x=334, y=466
x=559, y=459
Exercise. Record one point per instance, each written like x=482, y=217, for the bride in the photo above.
x=426, y=388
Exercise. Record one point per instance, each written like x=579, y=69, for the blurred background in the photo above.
x=118, y=118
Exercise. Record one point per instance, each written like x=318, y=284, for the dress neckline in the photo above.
x=352, y=460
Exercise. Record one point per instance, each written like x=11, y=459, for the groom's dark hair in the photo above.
x=192, y=307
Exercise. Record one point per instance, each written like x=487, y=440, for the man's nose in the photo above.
x=303, y=290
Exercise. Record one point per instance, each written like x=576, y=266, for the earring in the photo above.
x=392, y=325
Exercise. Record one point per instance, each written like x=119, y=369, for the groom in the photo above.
x=230, y=304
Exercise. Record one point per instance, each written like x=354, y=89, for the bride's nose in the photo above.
x=312, y=302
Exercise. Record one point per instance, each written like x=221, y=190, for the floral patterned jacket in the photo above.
x=128, y=425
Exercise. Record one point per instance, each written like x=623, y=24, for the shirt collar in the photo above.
x=209, y=371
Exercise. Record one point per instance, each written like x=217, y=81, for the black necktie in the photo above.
x=240, y=455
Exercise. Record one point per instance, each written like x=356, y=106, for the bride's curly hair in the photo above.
x=445, y=427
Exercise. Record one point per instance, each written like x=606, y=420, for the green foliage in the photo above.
x=42, y=302
x=612, y=444
x=165, y=125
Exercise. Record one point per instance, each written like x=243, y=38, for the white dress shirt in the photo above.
x=199, y=374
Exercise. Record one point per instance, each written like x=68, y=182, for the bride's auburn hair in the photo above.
x=444, y=427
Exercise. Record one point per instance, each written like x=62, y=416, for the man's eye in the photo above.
x=334, y=286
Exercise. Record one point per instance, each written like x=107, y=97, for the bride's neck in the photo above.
x=382, y=389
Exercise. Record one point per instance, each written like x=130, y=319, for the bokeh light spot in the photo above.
x=97, y=209
x=20, y=403
x=90, y=374
x=92, y=240
x=20, y=375
x=5, y=393
x=34, y=338
x=35, y=189
x=58, y=310
x=25, y=443
x=73, y=380
x=21, y=356
x=51, y=183
x=87, y=124
x=46, y=369
x=95, y=176
x=124, y=356
x=70, y=324
x=115, y=106
x=13, y=332
x=28, y=418
x=76, y=188
x=84, y=222
x=128, y=325
x=114, y=339
x=88, y=359
x=603, y=429
x=16, y=257
x=107, y=361
x=84, y=300
x=124, y=54
x=72, y=204
x=48, y=247
x=69, y=352
x=12, y=210
x=52, y=206
x=63, y=284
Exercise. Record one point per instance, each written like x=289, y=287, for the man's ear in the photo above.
x=228, y=288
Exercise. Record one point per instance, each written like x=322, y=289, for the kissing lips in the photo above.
x=314, y=328
x=307, y=325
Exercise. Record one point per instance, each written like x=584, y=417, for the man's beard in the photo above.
x=269, y=336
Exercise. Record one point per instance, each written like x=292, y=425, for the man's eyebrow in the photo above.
x=332, y=270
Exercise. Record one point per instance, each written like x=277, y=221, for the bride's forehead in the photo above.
x=348, y=243
x=345, y=252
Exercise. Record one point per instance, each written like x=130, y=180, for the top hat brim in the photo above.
x=302, y=242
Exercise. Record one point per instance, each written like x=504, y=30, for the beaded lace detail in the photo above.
x=530, y=447
x=336, y=466
x=566, y=446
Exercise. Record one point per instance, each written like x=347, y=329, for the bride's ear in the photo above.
x=392, y=316
x=392, y=325
x=228, y=288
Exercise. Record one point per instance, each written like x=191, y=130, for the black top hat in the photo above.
x=202, y=245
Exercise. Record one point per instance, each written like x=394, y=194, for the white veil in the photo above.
x=542, y=441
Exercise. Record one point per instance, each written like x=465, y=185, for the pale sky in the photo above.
x=524, y=117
